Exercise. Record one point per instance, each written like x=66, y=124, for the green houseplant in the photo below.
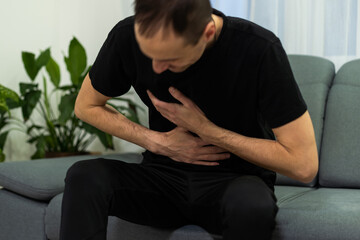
x=8, y=100
x=60, y=130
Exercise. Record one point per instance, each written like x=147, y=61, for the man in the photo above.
x=225, y=114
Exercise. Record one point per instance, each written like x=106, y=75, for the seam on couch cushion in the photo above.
x=294, y=196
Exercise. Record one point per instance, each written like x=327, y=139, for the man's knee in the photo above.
x=248, y=200
x=87, y=175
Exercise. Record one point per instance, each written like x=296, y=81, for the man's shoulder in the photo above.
x=122, y=34
x=124, y=26
x=249, y=29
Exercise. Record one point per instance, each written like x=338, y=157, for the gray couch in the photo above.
x=328, y=208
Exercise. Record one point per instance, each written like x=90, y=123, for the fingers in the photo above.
x=151, y=96
x=171, y=111
x=161, y=105
x=204, y=163
x=179, y=96
x=211, y=153
x=183, y=99
x=209, y=160
x=211, y=150
x=206, y=148
x=156, y=102
x=199, y=162
x=214, y=157
x=164, y=108
x=176, y=94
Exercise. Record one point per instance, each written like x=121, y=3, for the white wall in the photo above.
x=34, y=25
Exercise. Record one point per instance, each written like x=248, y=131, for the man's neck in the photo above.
x=218, y=21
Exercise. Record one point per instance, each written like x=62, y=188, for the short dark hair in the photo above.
x=187, y=17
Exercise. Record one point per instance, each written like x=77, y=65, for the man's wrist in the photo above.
x=207, y=131
x=154, y=141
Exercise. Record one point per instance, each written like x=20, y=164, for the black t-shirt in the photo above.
x=243, y=83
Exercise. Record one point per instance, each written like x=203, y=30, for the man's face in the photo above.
x=168, y=51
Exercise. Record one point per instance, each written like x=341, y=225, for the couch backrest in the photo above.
x=340, y=158
x=314, y=76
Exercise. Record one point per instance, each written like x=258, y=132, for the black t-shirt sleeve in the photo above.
x=280, y=100
x=108, y=74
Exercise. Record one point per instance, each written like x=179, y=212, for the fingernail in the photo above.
x=171, y=89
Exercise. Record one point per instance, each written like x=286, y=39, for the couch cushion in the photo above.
x=325, y=213
x=314, y=76
x=20, y=217
x=190, y=232
x=340, y=158
x=43, y=179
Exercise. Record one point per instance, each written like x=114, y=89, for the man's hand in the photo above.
x=187, y=114
x=182, y=146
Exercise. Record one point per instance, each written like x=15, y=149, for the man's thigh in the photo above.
x=147, y=195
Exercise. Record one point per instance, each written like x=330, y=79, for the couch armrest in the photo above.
x=43, y=179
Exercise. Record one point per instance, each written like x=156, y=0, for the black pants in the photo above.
x=236, y=206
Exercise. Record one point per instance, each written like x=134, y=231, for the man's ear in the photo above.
x=209, y=32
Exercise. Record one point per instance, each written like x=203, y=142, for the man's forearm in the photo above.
x=109, y=120
x=266, y=153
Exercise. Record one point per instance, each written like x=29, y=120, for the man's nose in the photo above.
x=159, y=66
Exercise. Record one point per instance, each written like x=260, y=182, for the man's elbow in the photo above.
x=77, y=110
x=308, y=176
x=307, y=173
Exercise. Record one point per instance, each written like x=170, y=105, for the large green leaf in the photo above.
x=30, y=64
x=8, y=93
x=3, y=121
x=66, y=107
x=76, y=61
x=3, y=106
x=52, y=138
x=33, y=139
x=29, y=103
x=40, y=148
x=5, y=95
x=27, y=87
x=46, y=101
x=70, y=88
x=43, y=59
x=32, y=127
x=3, y=139
x=54, y=72
x=2, y=156
x=13, y=104
x=51, y=144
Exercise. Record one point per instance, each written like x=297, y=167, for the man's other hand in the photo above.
x=187, y=114
x=181, y=146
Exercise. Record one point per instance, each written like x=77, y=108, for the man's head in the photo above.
x=173, y=33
